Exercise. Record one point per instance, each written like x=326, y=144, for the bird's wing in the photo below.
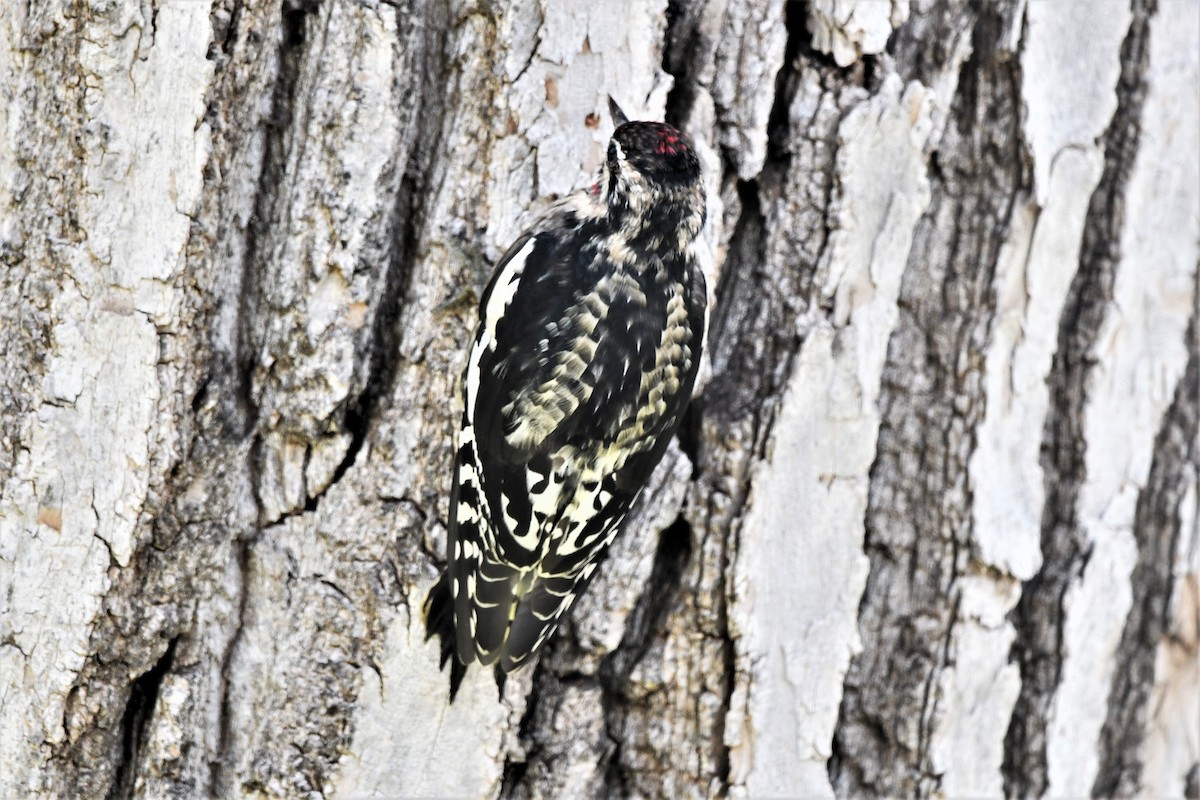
x=611, y=464
x=523, y=390
x=547, y=388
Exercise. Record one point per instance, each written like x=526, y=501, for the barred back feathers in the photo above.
x=588, y=345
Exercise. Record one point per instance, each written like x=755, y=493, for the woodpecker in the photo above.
x=589, y=340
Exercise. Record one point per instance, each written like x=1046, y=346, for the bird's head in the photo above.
x=652, y=170
x=655, y=152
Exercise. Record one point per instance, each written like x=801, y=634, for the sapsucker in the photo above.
x=587, y=349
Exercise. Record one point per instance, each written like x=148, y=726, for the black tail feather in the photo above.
x=439, y=619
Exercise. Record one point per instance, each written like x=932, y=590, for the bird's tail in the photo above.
x=439, y=619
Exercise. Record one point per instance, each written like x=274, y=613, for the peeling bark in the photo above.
x=930, y=528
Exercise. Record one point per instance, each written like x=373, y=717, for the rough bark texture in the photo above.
x=931, y=528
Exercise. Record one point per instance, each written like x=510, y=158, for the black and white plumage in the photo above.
x=587, y=349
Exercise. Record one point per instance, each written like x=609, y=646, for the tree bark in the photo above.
x=929, y=529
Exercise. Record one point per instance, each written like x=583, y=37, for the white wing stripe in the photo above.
x=503, y=292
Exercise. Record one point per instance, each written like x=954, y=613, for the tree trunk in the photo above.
x=930, y=529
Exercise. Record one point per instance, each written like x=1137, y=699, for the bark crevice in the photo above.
x=931, y=402
x=1039, y=616
x=1157, y=527
x=382, y=348
x=223, y=782
x=1191, y=783
x=680, y=40
x=272, y=179
x=641, y=629
x=135, y=722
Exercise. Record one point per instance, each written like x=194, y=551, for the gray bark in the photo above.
x=930, y=528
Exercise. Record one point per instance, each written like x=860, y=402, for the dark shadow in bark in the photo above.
x=135, y=723
x=641, y=631
x=918, y=525
x=1039, y=617
x=1157, y=527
